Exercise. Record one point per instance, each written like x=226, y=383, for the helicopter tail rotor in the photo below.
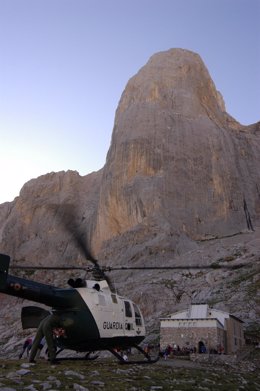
x=4, y=266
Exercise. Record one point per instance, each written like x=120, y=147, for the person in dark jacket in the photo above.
x=45, y=329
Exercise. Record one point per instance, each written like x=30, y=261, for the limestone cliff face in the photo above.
x=33, y=226
x=177, y=160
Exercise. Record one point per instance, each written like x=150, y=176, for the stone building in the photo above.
x=201, y=328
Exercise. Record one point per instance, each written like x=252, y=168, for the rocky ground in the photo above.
x=107, y=374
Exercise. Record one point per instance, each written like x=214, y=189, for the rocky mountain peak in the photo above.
x=176, y=157
x=176, y=78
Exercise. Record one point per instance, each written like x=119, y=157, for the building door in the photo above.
x=201, y=347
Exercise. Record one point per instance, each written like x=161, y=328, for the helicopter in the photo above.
x=92, y=316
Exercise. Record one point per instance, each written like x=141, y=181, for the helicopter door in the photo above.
x=129, y=318
x=138, y=316
x=32, y=316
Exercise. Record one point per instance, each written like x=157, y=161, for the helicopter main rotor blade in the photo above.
x=27, y=267
x=66, y=214
x=213, y=266
x=118, y=268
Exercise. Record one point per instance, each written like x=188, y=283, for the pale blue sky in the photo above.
x=65, y=63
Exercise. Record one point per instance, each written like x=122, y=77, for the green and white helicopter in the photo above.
x=93, y=317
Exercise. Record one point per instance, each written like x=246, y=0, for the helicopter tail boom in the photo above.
x=32, y=290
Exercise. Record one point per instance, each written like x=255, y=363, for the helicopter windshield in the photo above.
x=128, y=309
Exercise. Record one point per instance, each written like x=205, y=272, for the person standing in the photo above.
x=26, y=347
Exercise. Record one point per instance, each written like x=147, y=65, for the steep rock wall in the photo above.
x=177, y=160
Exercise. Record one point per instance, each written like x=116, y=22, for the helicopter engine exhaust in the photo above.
x=78, y=283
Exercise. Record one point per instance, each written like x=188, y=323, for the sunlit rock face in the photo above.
x=178, y=162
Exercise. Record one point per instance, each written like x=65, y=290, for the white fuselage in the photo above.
x=115, y=316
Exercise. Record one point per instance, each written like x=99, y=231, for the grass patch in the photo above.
x=107, y=374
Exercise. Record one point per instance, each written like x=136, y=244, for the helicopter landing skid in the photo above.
x=89, y=356
x=148, y=360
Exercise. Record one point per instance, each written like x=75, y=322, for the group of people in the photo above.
x=49, y=329
x=175, y=350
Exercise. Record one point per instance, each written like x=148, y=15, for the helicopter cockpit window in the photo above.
x=128, y=309
x=138, y=318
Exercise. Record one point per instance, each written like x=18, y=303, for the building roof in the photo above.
x=192, y=322
x=202, y=311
